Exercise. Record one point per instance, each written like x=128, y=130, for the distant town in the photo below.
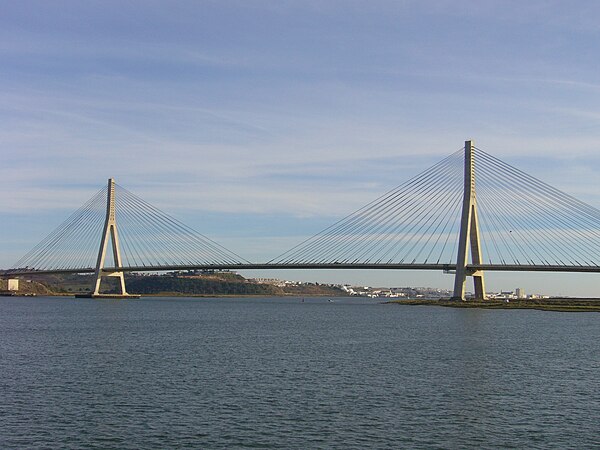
x=231, y=283
x=400, y=292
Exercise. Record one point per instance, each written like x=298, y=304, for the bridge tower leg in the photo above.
x=469, y=235
x=110, y=230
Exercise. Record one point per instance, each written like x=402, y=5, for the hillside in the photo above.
x=200, y=285
x=29, y=287
x=206, y=284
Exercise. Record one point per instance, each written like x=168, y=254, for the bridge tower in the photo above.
x=110, y=231
x=469, y=235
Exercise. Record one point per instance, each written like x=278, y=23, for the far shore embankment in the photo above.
x=546, y=304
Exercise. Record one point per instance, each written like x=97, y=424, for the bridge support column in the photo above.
x=110, y=231
x=469, y=235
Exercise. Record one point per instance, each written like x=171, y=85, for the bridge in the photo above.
x=468, y=214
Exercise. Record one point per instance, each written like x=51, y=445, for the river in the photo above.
x=286, y=373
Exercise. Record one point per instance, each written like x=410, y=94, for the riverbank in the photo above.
x=551, y=304
x=219, y=284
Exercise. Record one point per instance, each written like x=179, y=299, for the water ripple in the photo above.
x=277, y=373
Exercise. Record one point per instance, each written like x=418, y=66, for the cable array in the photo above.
x=416, y=222
x=148, y=238
x=524, y=221
x=74, y=243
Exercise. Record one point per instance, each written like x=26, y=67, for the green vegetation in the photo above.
x=209, y=285
x=28, y=287
x=546, y=304
x=205, y=284
x=227, y=283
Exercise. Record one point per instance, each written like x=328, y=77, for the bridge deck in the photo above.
x=265, y=266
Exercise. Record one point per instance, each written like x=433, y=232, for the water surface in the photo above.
x=282, y=373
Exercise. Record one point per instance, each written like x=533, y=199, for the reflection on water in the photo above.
x=256, y=372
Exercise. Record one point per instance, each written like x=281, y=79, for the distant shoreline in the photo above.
x=178, y=294
x=551, y=304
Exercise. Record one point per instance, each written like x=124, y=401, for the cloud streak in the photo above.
x=303, y=110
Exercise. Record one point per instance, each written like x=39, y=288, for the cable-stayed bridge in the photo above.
x=467, y=214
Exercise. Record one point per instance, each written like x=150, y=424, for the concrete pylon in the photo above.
x=110, y=230
x=469, y=235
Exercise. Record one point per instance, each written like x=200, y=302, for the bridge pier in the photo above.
x=110, y=232
x=469, y=235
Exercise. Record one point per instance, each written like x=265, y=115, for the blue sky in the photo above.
x=259, y=123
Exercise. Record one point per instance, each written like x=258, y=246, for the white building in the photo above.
x=13, y=284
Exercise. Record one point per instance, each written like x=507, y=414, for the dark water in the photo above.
x=278, y=373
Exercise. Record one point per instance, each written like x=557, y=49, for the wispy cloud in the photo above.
x=304, y=110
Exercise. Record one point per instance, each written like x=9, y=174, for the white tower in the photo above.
x=469, y=235
x=110, y=230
